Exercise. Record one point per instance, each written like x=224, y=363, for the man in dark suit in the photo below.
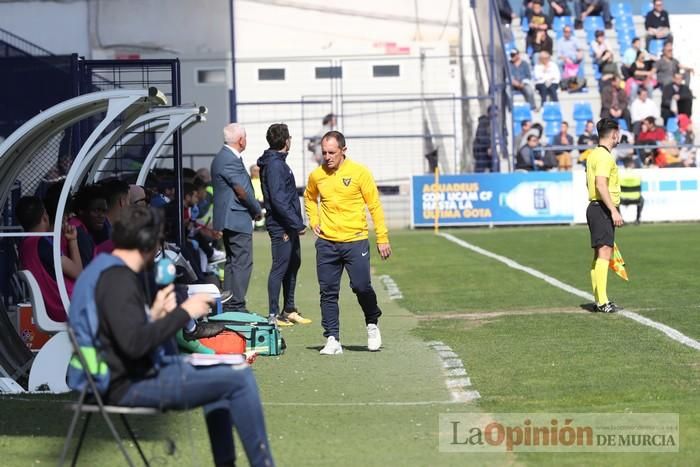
x=235, y=207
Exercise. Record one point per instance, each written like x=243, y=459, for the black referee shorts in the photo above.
x=600, y=224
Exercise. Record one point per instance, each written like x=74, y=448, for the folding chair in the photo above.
x=99, y=406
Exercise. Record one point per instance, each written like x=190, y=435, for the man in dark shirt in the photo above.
x=131, y=335
x=657, y=23
x=537, y=21
x=676, y=99
x=586, y=8
x=588, y=137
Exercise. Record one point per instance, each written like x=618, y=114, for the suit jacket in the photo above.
x=230, y=211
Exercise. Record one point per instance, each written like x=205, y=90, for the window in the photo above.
x=212, y=76
x=271, y=74
x=328, y=72
x=385, y=71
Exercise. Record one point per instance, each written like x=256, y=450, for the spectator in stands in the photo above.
x=667, y=66
x=614, y=102
x=588, y=137
x=686, y=136
x=641, y=108
x=657, y=23
x=547, y=77
x=90, y=207
x=537, y=20
x=521, y=77
x=569, y=51
x=558, y=8
x=586, y=8
x=521, y=139
x=116, y=193
x=528, y=158
x=676, y=99
x=563, y=138
x=505, y=12
x=602, y=52
x=541, y=43
x=641, y=73
x=481, y=147
x=649, y=134
x=630, y=55
x=36, y=254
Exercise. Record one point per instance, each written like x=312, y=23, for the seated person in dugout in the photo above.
x=140, y=375
x=36, y=254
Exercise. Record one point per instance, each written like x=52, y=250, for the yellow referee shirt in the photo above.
x=601, y=163
x=343, y=195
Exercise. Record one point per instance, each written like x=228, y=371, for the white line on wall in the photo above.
x=669, y=331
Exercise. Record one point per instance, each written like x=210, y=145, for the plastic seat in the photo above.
x=656, y=46
x=593, y=23
x=583, y=111
x=622, y=8
x=672, y=124
x=521, y=112
x=623, y=124
x=525, y=25
x=552, y=127
x=580, y=127
x=551, y=112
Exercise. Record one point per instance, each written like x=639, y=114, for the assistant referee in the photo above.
x=336, y=195
x=602, y=213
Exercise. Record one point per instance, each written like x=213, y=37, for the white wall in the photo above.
x=60, y=28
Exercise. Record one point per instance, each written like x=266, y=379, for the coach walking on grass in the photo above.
x=284, y=224
x=602, y=213
x=335, y=199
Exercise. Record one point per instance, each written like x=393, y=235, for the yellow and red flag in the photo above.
x=617, y=264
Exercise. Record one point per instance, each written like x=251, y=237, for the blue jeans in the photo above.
x=229, y=396
x=331, y=259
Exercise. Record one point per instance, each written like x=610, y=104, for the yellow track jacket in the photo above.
x=343, y=195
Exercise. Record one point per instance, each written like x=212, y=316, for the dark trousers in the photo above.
x=639, y=202
x=547, y=91
x=286, y=260
x=238, y=266
x=229, y=396
x=331, y=259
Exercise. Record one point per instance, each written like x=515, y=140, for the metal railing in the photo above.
x=18, y=43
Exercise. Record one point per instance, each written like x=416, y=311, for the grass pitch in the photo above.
x=528, y=347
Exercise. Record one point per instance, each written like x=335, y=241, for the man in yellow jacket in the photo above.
x=336, y=195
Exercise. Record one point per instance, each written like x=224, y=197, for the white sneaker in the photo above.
x=332, y=347
x=374, y=337
x=217, y=257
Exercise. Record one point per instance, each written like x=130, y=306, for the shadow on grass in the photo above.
x=589, y=307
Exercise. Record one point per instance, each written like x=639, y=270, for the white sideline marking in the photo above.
x=458, y=383
x=435, y=343
x=452, y=363
x=392, y=287
x=669, y=331
x=456, y=372
x=447, y=354
x=442, y=348
x=465, y=396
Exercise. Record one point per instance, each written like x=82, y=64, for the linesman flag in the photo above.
x=617, y=264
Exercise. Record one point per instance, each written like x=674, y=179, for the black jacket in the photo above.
x=280, y=194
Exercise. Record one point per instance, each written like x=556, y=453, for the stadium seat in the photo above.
x=672, y=124
x=521, y=112
x=551, y=112
x=524, y=25
x=646, y=8
x=583, y=111
x=560, y=22
x=656, y=46
x=622, y=9
x=623, y=124
x=551, y=128
x=593, y=23
x=580, y=127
